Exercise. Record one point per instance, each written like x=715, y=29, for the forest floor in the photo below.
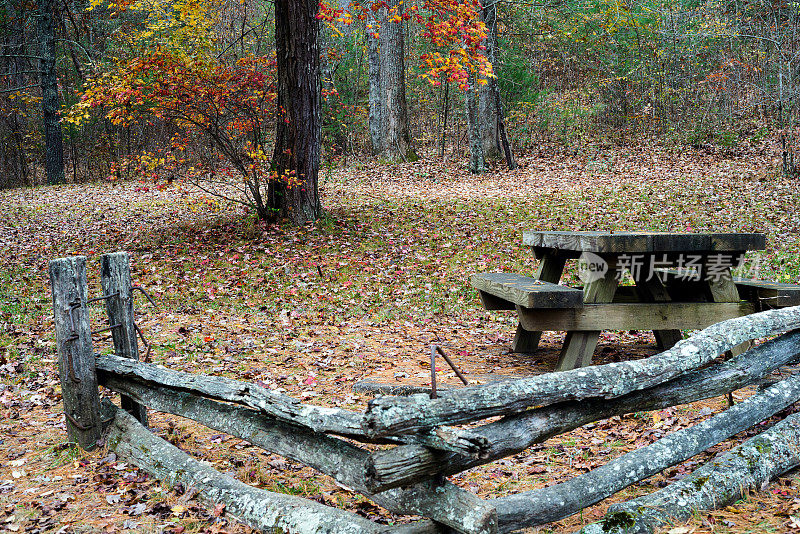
x=359, y=295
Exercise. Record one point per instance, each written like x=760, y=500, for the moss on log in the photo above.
x=561, y=500
x=439, y=500
x=748, y=467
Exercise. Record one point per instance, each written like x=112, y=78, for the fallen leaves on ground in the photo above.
x=361, y=294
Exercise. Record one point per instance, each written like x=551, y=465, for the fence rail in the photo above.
x=407, y=476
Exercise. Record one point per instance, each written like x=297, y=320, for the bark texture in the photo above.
x=344, y=462
x=406, y=464
x=264, y=510
x=76, y=363
x=724, y=480
x=115, y=279
x=400, y=415
x=294, y=194
x=477, y=163
x=281, y=407
x=495, y=137
x=396, y=136
x=488, y=112
x=51, y=120
x=557, y=502
x=375, y=101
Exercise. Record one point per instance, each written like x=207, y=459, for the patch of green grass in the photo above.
x=303, y=488
x=62, y=454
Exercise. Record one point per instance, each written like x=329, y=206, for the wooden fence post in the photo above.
x=115, y=278
x=76, y=359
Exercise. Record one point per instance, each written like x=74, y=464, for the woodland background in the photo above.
x=574, y=75
x=622, y=116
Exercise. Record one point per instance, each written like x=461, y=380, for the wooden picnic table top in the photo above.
x=644, y=242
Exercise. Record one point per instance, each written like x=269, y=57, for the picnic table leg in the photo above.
x=550, y=269
x=579, y=346
x=722, y=289
x=652, y=289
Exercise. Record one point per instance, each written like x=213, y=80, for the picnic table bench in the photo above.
x=682, y=281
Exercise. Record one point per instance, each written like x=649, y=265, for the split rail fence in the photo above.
x=422, y=442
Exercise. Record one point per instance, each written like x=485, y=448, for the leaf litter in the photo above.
x=359, y=295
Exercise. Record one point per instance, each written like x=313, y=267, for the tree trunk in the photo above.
x=487, y=107
x=493, y=127
x=54, y=147
x=445, y=112
x=294, y=193
x=375, y=100
x=487, y=114
x=396, y=142
x=477, y=163
x=14, y=169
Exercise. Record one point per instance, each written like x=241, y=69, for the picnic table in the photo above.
x=682, y=281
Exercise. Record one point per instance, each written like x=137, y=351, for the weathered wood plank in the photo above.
x=540, y=253
x=76, y=363
x=736, y=242
x=260, y=509
x=719, y=287
x=722, y=290
x=626, y=294
x=536, y=507
x=526, y=291
x=406, y=464
x=635, y=316
x=720, y=482
x=770, y=294
x=644, y=242
x=764, y=292
x=115, y=278
x=525, y=341
x=493, y=303
x=282, y=407
x=550, y=268
x=401, y=415
x=343, y=461
x=651, y=289
x=579, y=345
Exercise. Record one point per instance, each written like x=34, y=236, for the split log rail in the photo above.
x=418, y=441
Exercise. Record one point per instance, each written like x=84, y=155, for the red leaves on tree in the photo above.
x=454, y=27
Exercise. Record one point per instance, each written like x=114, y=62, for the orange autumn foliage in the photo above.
x=453, y=27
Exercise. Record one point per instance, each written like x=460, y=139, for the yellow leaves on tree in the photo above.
x=184, y=27
x=221, y=112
